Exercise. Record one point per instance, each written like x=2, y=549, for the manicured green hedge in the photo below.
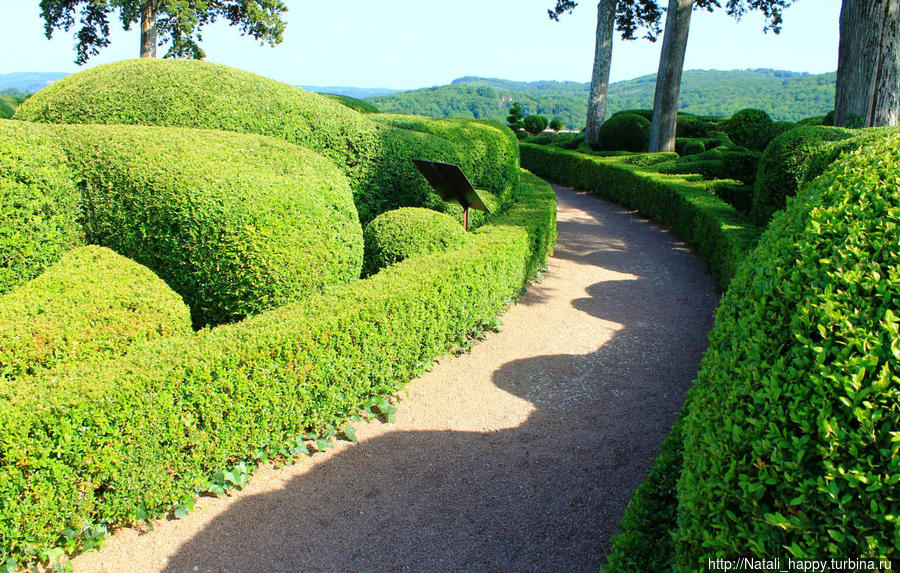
x=489, y=151
x=38, y=203
x=784, y=165
x=234, y=223
x=790, y=432
x=624, y=132
x=722, y=162
x=718, y=232
x=91, y=303
x=750, y=128
x=137, y=435
x=374, y=156
x=396, y=235
x=198, y=94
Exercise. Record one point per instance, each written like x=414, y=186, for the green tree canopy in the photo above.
x=178, y=23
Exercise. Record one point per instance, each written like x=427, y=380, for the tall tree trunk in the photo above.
x=148, y=28
x=868, y=76
x=606, y=18
x=668, y=79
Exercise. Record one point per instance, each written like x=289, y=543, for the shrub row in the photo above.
x=718, y=232
x=91, y=303
x=789, y=433
x=138, y=435
x=722, y=162
x=353, y=103
x=374, y=156
x=235, y=223
x=38, y=203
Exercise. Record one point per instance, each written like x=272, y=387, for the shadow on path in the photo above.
x=544, y=496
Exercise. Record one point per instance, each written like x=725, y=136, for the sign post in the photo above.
x=452, y=185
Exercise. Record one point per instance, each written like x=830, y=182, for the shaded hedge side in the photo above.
x=722, y=235
x=155, y=425
x=91, y=303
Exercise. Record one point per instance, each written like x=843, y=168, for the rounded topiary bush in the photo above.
x=92, y=303
x=784, y=164
x=685, y=147
x=750, y=128
x=234, y=223
x=624, y=132
x=397, y=235
x=789, y=434
x=198, y=94
x=38, y=203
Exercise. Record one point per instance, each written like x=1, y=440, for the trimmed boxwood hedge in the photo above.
x=718, y=232
x=624, y=132
x=790, y=432
x=397, y=235
x=188, y=93
x=38, y=203
x=234, y=223
x=91, y=303
x=139, y=435
x=750, y=128
x=784, y=165
x=198, y=94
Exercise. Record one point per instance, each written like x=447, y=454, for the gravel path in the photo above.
x=519, y=456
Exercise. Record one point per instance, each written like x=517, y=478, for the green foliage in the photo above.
x=232, y=222
x=8, y=105
x=397, y=235
x=722, y=162
x=684, y=147
x=829, y=152
x=374, y=155
x=817, y=120
x=187, y=93
x=515, y=117
x=790, y=433
x=91, y=303
x=141, y=435
x=829, y=118
x=534, y=124
x=786, y=96
x=735, y=193
x=486, y=152
x=718, y=232
x=179, y=24
x=624, y=132
x=692, y=127
x=750, y=128
x=784, y=165
x=38, y=203
x=353, y=103
x=557, y=124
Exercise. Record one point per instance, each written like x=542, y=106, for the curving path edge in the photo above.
x=519, y=456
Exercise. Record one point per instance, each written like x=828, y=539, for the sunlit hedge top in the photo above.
x=190, y=93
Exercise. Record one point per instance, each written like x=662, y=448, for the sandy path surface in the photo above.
x=519, y=456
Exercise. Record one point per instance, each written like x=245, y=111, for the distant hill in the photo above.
x=29, y=82
x=787, y=96
x=357, y=93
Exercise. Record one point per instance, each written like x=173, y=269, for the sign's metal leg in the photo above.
x=466, y=218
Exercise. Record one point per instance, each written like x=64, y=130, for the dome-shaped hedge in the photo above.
x=783, y=167
x=624, y=132
x=790, y=433
x=91, y=303
x=203, y=95
x=750, y=128
x=376, y=157
x=396, y=235
x=38, y=203
x=234, y=223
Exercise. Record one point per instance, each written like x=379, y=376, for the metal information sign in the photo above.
x=452, y=185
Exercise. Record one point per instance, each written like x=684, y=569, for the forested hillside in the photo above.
x=787, y=96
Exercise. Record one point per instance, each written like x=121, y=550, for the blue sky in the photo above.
x=408, y=44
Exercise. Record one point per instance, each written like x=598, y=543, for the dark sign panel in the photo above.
x=451, y=184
